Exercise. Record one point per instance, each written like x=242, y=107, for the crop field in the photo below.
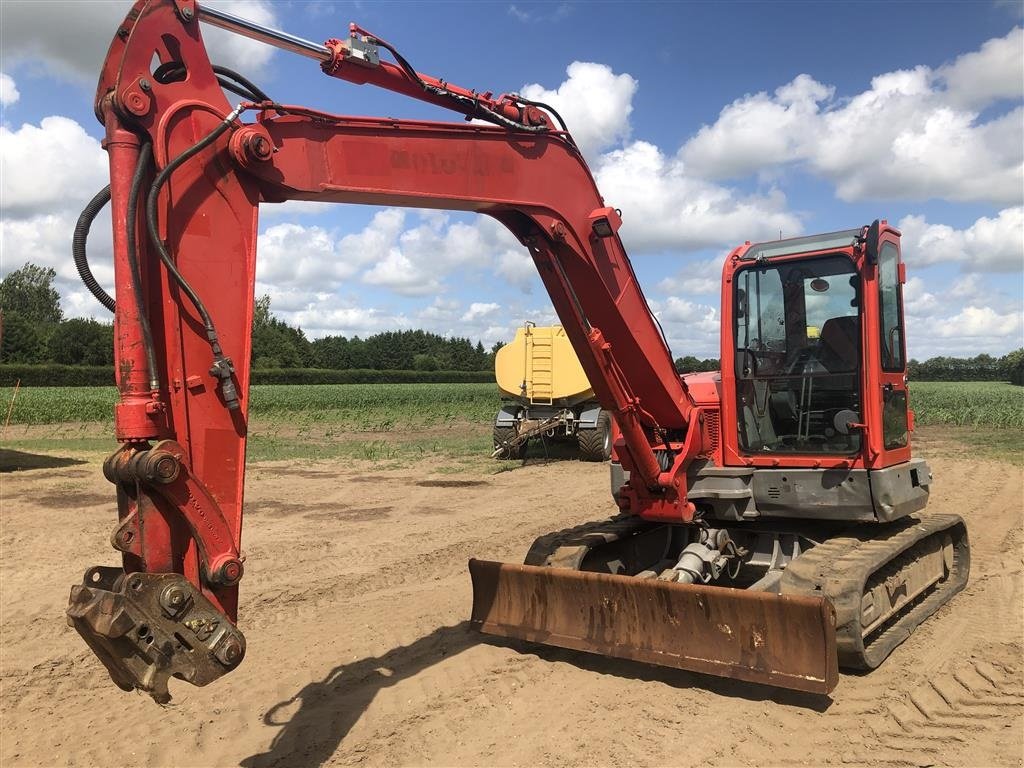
x=368, y=407
x=380, y=407
x=968, y=404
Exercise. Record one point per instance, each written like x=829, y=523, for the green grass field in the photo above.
x=968, y=404
x=383, y=407
x=358, y=407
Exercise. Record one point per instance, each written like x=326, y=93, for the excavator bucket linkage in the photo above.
x=782, y=640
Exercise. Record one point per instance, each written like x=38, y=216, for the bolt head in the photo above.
x=259, y=148
x=166, y=467
x=175, y=596
x=230, y=573
x=232, y=651
x=136, y=103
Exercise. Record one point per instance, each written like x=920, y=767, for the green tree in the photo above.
x=29, y=293
x=80, y=341
x=1012, y=366
x=23, y=341
x=424, y=363
x=275, y=344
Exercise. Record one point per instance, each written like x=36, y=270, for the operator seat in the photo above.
x=840, y=340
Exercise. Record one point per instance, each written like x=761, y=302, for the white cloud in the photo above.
x=45, y=240
x=479, y=309
x=990, y=244
x=540, y=13
x=412, y=261
x=918, y=301
x=246, y=56
x=39, y=31
x=758, y=130
x=293, y=255
x=961, y=317
x=38, y=217
x=441, y=310
x=53, y=165
x=665, y=208
x=416, y=264
x=595, y=103
x=296, y=208
x=516, y=266
x=337, y=317
x=697, y=277
x=995, y=71
x=979, y=323
x=8, y=90
x=691, y=328
x=914, y=134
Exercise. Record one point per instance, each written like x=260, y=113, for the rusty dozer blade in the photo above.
x=783, y=640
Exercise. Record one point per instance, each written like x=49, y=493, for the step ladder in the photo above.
x=540, y=366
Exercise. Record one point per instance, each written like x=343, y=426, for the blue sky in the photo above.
x=707, y=123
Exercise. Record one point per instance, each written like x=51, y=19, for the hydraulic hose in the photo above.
x=78, y=242
x=470, y=105
x=141, y=168
x=222, y=367
x=227, y=78
x=253, y=92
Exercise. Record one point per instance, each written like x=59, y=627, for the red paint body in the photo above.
x=535, y=183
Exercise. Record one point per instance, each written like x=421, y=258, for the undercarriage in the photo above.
x=799, y=600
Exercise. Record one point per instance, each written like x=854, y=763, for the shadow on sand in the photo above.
x=325, y=711
x=18, y=461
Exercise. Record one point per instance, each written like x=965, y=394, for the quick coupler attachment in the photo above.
x=149, y=627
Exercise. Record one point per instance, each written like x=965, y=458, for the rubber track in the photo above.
x=840, y=567
x=568, y=547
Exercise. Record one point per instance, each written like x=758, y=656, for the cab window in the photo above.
x=797, y=341
x=890, y=309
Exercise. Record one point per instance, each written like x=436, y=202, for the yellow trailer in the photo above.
x=545, y=393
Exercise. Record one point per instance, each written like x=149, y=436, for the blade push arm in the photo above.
x=180, y=501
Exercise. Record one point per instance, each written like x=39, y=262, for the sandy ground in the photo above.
x=354, y=607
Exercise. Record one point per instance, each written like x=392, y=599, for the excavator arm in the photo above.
x=188, y=174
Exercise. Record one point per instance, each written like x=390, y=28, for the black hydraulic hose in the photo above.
x=78, y=242
x=546, y=107
x=222, y=367
x=253, y=90
x=228, y=79
x=472, y=105
x=78, y=250
x=141, y=168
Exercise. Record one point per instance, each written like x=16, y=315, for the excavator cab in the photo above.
x=813, y=337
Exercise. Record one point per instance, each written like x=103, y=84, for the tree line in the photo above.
x=35, y=331
x=275, y=344
x=1009, y=367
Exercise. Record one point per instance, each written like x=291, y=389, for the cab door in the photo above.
x=890, y=364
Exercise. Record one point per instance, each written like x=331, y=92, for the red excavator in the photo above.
x=767, y=525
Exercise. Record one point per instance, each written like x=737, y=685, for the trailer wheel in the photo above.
x=596, y=444
x=503, y=435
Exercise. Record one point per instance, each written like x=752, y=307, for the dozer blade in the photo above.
x=783, y=640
